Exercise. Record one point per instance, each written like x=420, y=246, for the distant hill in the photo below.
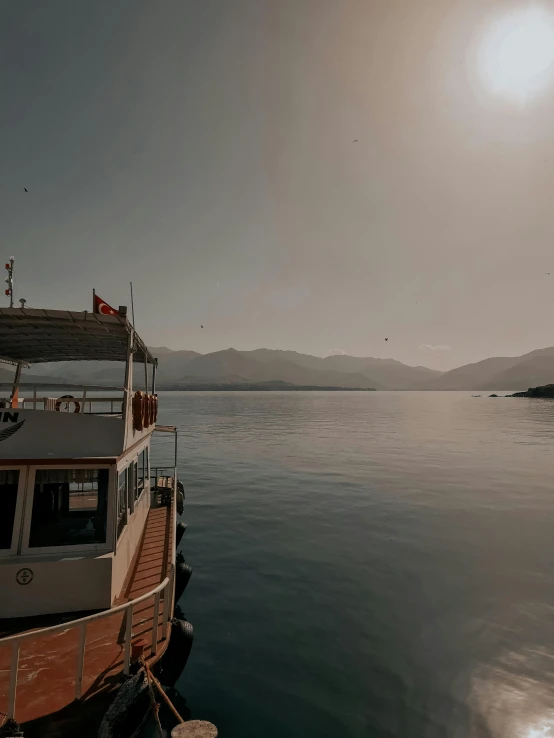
x=468, y=377
x=7, y=375
x=382, y=373
x=267, y=356
x=78, y=372
x=180, y=368
x=110, y=372
x=387, y=373
x=231, y=366
x=173, y=363
x=502, y=373
x=163, y=350
x=533, y=372
x=275, y=386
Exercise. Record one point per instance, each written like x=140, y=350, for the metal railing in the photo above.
x=161, y=471
x=103, y=405
x=128, y=607
x=44, y=396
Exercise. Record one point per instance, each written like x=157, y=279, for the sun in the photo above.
x=517, y=54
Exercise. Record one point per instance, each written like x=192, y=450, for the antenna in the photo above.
x=9, y=280
x=132, y=305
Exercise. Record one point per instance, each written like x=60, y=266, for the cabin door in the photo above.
x=12, y=492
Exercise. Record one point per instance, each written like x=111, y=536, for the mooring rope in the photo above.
x=162, y=692
x=155, y=705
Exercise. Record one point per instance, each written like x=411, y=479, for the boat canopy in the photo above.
x=29, y=336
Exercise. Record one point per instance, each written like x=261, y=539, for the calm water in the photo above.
x=368, y=564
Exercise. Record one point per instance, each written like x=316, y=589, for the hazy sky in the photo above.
x=205, y=150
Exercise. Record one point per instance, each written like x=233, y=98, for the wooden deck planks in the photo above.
x=47, y=664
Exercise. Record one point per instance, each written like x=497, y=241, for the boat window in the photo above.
x=137, y=480
x=131, y=482
x=9, y=481
x=142, y=472
x=70, y=507
x=121, y=502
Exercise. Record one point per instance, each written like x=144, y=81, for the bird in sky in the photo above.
x=25, y=189
x=386, y=339
x=548, y=273
x=201, y=326
x=355, y=141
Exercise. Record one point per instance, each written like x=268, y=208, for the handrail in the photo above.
x=37, y=399
x=114, y=401
x=166, y=467
x=82, y=623
x=63, y=385
x=89, y=618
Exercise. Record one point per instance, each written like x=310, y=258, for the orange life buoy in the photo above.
x=67, y=399
x=147, y=411
x=138, y=410
x=145, y=402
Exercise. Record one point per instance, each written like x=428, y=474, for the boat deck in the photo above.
x=47, y=664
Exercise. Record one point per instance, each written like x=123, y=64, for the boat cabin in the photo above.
x=75, y=474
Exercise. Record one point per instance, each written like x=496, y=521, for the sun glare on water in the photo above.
x=543, y=731
x=517, y=54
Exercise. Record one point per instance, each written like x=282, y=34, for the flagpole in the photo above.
x=132, y=304
x=93, y=300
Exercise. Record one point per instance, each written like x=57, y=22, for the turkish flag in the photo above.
x=102, y=307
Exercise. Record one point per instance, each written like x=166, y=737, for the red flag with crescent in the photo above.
x=102, y=307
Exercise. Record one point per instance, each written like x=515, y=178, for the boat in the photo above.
x=89, y=574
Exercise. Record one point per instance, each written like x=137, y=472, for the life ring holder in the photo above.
x=67, y=399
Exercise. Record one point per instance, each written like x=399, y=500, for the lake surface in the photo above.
x=368, y=564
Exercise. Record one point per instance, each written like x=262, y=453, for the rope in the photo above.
x=155, y=705
x=161, y=690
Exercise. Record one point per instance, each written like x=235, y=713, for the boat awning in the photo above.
x=36, y=336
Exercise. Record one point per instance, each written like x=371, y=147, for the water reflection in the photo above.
x=508, y=704
x=373, y=564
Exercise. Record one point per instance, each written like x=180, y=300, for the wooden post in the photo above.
x=194, y=729
x=137, y=649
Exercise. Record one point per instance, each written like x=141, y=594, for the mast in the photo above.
x=9, y=280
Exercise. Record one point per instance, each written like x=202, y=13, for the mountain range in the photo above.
x=499, y=373
x=180, y=368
